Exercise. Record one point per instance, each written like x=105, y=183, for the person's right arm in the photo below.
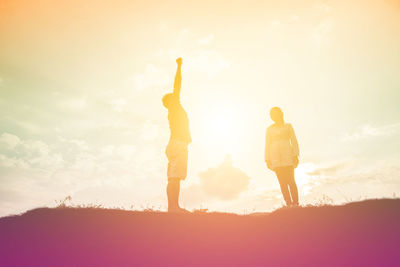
x=267, y=154
x=178, y=79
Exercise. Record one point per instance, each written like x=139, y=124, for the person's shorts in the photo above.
x=177, y=154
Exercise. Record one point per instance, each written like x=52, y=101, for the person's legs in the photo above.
x=282, y=178
x=177, y=154
x=173, y=189
x=293, y=187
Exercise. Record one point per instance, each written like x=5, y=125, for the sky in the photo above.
x=81, y=115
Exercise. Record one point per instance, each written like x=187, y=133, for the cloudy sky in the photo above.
x=81, y=85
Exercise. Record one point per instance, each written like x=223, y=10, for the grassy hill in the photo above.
x=357, y=234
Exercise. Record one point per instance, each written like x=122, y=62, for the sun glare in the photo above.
x=222, y=126
x=222, y=129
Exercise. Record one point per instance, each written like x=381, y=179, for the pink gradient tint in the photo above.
x=357, y=234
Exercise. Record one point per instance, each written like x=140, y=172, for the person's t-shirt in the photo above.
x=281, y=145
x=179, y=123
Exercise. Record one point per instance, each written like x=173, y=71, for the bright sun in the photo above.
x=221, y=126
x=222, y=129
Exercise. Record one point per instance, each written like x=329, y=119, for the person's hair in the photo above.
x=276, y=114
x=167, y=100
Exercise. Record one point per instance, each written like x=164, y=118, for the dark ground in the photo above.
x=357, y=234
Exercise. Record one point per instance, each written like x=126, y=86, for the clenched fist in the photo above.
x=179, y=61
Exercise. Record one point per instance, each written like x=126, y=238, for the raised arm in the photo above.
x=178, y=78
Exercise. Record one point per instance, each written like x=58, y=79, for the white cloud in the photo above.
x=368, y=131
x=72, y=165
x=377, y=181
x=325, y=169
x=10, y=141
x=151, y=77
x=225, y=181
x=81, y=144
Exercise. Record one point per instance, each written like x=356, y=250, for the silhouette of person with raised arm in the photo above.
x=177, y=148
x=281, y=155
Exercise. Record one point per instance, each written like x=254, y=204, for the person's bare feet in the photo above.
x=178, y=210
x=292, y=205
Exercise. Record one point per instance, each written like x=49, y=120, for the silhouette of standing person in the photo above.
x=281, y=155
x=177, y=148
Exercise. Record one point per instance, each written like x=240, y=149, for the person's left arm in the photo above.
x=295, y=145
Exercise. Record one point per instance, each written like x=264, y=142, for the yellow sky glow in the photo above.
x=81, y=85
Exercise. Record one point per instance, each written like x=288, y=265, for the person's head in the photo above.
x=167, y=100
x=276, y=115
